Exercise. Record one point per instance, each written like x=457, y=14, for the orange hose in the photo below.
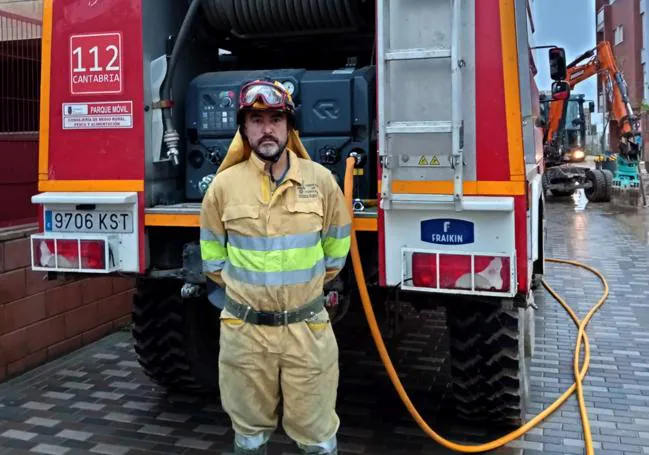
x=387, y=362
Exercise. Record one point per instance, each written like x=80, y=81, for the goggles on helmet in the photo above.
x=272, y=95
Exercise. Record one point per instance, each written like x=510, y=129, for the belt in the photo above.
x=274, y=318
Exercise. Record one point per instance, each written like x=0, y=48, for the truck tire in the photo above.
x=609, y=185
x=598, y=191
x=176, y=340
x=489, y=363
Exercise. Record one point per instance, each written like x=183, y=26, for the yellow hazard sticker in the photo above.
x=428, y=161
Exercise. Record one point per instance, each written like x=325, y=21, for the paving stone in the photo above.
x=50, y=449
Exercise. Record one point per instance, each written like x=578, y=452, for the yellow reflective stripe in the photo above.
x=294, y=277
x=212, y=246
x=336, y=242
x=336, y=248
x=212, y=250
x=276, y=260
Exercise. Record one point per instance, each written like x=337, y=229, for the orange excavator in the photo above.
x=599, y=184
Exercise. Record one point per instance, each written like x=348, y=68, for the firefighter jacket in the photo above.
x=273, y=248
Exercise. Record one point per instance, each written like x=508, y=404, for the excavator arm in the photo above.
x=600, y=61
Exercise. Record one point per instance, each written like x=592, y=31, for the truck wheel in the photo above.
x=176, y=340
x=609, y=185
x=597, y=192
x=488, y=363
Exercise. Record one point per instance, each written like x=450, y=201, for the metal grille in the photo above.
x=20, y=64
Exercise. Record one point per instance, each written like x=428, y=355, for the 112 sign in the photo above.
x=96, y=63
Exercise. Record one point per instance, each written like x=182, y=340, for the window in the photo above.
x=618, y=35
x=573, y=112
x=600, y=20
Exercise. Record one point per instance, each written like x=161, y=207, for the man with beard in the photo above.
x=274, y=230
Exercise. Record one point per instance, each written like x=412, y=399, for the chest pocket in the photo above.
x=242, y=219
x=307, y=214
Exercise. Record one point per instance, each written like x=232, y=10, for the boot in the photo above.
x=261, y=450
x=315, y=450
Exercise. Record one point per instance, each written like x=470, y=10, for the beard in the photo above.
x=269, y=148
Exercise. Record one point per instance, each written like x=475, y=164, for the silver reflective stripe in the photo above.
x=213, y=266
x=209, y=235
x=275, y=278
x=274, y=243
x=334, y=263
x=339, y=232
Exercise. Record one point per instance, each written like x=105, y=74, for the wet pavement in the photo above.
x=97, y=400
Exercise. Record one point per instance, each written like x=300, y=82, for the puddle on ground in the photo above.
x=580, y=200
x=636, y=219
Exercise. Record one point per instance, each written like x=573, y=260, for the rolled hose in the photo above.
x=387, y=362
x=250, y=17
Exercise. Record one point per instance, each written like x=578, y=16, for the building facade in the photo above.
x=624, y=24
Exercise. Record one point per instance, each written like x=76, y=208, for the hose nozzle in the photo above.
x=171, y=139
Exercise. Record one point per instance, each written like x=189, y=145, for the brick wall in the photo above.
x=41, y=320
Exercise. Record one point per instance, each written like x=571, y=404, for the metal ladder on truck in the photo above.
x=421, y=124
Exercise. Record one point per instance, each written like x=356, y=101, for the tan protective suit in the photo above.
x=273, y=249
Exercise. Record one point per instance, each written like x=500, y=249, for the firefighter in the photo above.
x=274, y=229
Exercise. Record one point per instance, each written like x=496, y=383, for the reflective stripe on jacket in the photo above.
x=274, y=249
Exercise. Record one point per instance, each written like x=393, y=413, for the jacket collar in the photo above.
x=293, y=173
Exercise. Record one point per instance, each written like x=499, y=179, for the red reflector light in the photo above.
x=491, y=273
x=92, y=254
x=424, y=270
x=43, y=250
x=69, y=253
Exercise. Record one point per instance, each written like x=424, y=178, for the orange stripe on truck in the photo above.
x=91, y=185
x=46, y=66
x=512, y=90
x=471, y=188
x=183, y=220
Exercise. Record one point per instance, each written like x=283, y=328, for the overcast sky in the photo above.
x=569, y=24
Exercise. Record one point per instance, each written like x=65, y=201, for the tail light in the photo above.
x=462, y=272
x=72, y=254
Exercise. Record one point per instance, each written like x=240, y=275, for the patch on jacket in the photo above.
x=307, y=191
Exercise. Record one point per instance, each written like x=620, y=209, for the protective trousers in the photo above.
x=298, y=363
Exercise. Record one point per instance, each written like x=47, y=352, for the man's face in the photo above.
x=267, y=132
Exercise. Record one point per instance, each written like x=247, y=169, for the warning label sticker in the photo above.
x=428, y=161
x=99, y=115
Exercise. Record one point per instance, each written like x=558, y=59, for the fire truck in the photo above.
x=436, y=101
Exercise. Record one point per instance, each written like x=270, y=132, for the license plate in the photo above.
x=96, y=221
